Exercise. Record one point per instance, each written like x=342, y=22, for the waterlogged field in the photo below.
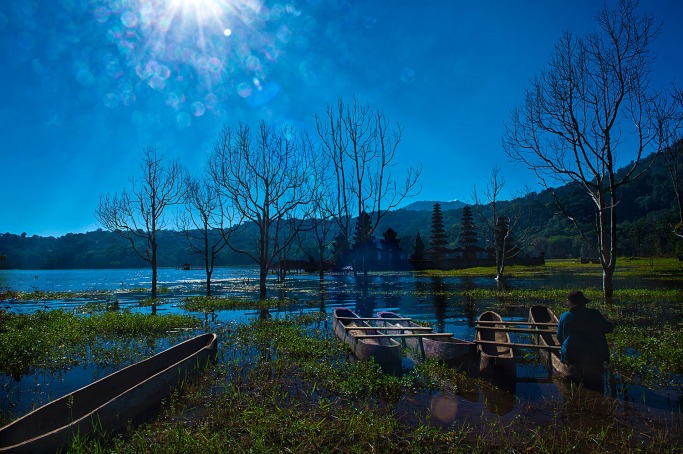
x=283, y=381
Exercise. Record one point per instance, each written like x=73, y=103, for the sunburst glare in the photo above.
x=194, y=53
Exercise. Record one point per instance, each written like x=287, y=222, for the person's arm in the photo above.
x=562, y=327
x=603, y=324
x=608, y=326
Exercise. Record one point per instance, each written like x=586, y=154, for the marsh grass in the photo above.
x=208, y=304
x=41, y=295
x=668, y=268
x=298, y=390
x=57, y=340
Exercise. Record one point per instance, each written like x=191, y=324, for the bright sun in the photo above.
x=202, y=10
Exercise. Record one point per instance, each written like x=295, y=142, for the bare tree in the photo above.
x=206, y=222
x=266, y=178
x=321, y=225
x=670, y=120
x=578, y=112
x=498, y=224
x=138, y=215
x=361, y=146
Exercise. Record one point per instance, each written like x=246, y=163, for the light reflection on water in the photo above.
x=429, y=299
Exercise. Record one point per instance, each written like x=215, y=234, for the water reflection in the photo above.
x=439, y=292
x=499, y=397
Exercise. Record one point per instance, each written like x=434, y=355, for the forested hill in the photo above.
x=646, y=212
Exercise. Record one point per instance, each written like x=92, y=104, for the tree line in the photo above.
x=649, y=211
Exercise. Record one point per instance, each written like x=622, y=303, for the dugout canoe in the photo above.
x=494, y=359
x=550, y=360
x=590, y=374
x=132, y=394
x=451, y=350
x=383, y=350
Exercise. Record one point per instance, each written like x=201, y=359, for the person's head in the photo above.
x=576, y=298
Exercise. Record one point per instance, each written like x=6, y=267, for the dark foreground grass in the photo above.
x=288, y=386
x=57, y=340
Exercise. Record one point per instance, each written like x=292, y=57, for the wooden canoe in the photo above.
x=494, y=359
x=383, y=350
x=551, y=359
x=451, y=350
x=132, y=394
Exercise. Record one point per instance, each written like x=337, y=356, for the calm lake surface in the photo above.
x=423, y=298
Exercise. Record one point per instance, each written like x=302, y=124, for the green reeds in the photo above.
x=56, y=340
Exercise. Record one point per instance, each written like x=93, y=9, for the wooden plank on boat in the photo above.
x=486, y=322
x=370, y=336
x=390, y=328
x=513, y=344
x=516, y=330
x=386, y=352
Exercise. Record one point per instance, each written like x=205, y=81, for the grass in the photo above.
x=275, y=390
x=208, y=304
x=670, y=268
x=57, y=340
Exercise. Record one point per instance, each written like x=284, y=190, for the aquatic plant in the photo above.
x=55, y=340
x=214, y=303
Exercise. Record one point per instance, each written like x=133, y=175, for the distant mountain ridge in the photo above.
x=428, y=205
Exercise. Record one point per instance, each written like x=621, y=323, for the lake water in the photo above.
x=430, y=299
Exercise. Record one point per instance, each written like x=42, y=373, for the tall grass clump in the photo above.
x=56, y=340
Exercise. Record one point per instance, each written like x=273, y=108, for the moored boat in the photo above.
x=541, y=317
x=449, y=349
x=495, y=357
x=353, y=330
x=131, y=394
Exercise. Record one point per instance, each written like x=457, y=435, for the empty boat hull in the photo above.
x=107, y=405
x=384, y=351
x=495, y=359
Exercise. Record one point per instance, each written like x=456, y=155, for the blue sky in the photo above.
x=87, y=85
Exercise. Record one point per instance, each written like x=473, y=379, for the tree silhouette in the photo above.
x=491, y=215
x=363, y=251
x=266, y=177
x=593, y=100
x=340, y=249
x=418, y=249
x=206, y=222
x=138, y=216
x=437, y=240
x=361, y=145
x=468, y=235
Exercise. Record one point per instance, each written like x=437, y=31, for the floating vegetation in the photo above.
x=648, y=356
x=57, y=340
x=209, y=304
x=40, y=295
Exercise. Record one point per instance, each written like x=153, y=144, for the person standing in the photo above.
x=581, y=331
